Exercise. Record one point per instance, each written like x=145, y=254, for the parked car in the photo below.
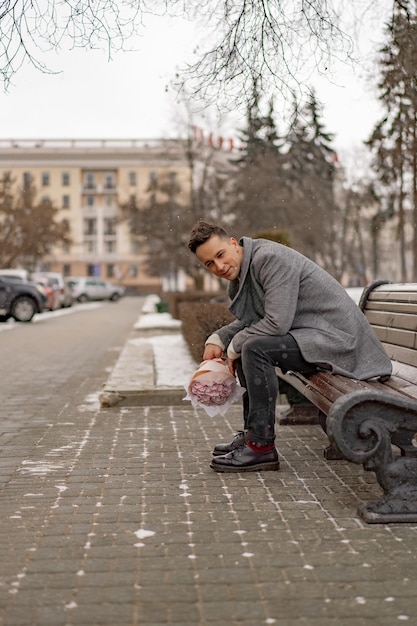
x=15, y=273
x=53, y=299
x=57, y=282
x=68, y=297
x=86, y=288
x=20, y=299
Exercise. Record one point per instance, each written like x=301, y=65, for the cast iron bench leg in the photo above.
x=361, y=425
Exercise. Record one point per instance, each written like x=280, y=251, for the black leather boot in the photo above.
x=244, y=459
x=224, y=448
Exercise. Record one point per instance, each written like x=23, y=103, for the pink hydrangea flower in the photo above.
x=213, y=387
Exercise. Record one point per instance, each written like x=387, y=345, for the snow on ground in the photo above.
x=156, y=321
x=174, y=365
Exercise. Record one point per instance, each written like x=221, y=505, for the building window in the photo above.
x=132, y=178
x=90, y=247
x=153, y=181
x=66, y=269
x=133, y=270
x=90, y=200
x=90, y=226
x=110, y=270
x=110, y=226
x=65, y=179
x=110, y=246
x=109, y=181
x=45, y=179
x=90, y=182
x=93, y=269
x=27, y=180
x=65, y=202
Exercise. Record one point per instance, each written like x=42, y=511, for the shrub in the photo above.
x=199, y=321
x=175, y=298
x=274, y=234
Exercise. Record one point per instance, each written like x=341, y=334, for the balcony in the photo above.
x=99, y=189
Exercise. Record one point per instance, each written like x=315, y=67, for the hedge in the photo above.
x=199, y=321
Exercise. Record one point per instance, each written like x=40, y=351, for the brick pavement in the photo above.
x=112, y=516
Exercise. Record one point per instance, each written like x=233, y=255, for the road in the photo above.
x=58, y=361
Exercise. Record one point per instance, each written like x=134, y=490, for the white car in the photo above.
x=56, y=280
x=18, y=274
x=89, y=288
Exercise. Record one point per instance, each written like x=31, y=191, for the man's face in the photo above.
x=222, y=257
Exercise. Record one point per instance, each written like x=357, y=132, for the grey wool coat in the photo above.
x=280, y=291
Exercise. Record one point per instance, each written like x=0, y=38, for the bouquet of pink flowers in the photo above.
x=213, y=388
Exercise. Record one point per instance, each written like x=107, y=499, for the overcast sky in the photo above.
x=126, y=97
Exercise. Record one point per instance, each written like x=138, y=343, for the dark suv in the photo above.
x=19, y=299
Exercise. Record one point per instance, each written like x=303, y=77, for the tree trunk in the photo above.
x=414, y=196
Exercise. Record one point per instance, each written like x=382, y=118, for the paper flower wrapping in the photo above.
x=213, y=388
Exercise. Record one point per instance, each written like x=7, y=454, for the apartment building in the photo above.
x=89, y=181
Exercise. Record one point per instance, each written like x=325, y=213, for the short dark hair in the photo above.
x=202, y=231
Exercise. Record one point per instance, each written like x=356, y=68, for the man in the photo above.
x=289, y=313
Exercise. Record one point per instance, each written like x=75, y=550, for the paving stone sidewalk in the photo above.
x=115, y=518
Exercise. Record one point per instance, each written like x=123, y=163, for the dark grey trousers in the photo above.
x=256, y=372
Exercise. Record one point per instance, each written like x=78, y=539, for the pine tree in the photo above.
x=310, y=172
x=394, y=138
x=258, y=180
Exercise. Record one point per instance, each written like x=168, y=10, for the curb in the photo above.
x=136, y=379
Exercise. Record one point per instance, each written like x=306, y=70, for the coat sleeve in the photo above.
x=226, y=333
x=280, y=283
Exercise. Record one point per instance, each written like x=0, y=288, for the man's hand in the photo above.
x=212, y=352
x=232, y=366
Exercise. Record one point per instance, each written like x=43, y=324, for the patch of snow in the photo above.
x=149, y=306
x=71, y=605
x=39, y=468
x=143, y=534
x=153, y=321
x=173, y=363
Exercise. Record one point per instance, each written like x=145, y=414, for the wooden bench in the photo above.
x=375, y=422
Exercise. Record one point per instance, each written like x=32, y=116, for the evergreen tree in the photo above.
x=394, y=138
x=258, y=181
x=310, y=174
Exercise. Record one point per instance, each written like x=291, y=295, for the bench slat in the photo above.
x=398, y=337
x=389, y=295
x=392, y=307
x=397, y=386
x=334, y=385
x=392, y=320
x=404, y=371
x=399, y=353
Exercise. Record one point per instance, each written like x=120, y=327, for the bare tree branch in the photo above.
x=29, y=28
x=278, y=43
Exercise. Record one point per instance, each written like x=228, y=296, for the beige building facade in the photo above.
x=89, y=181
